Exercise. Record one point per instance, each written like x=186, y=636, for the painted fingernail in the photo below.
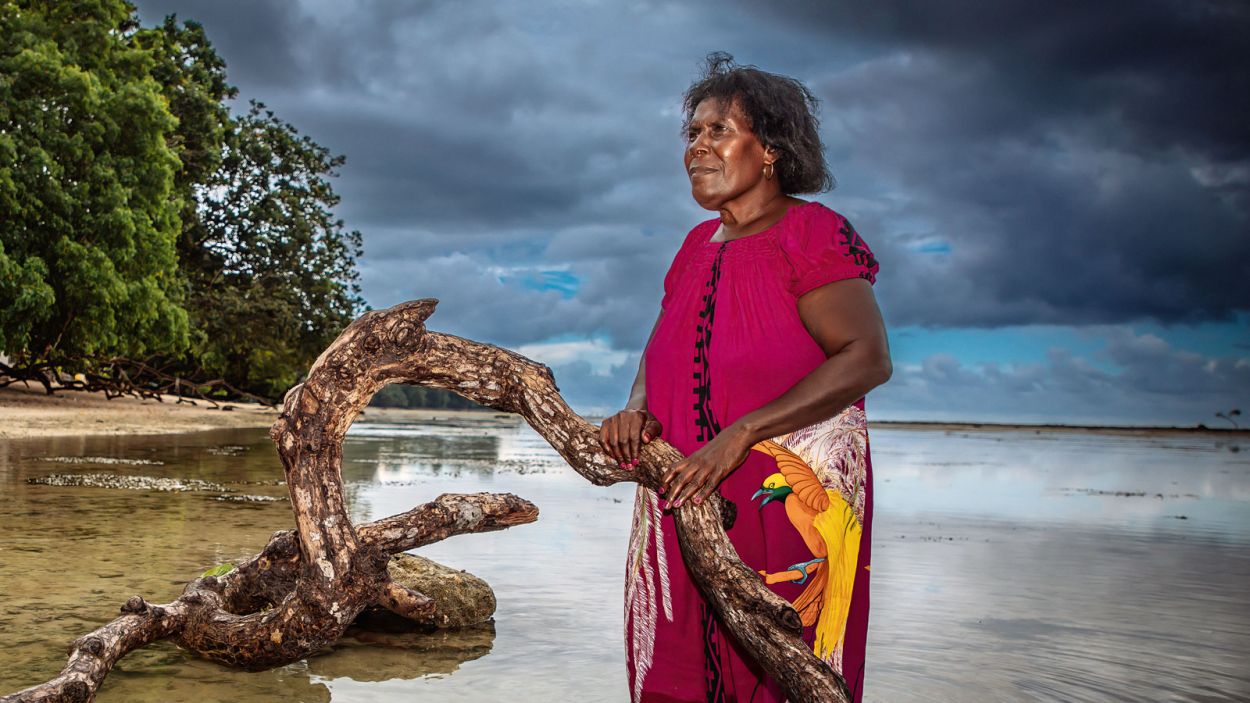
x=678, y=503
x=698, y=501
x=660, y=490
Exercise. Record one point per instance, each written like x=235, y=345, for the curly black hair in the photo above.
x=781, y=112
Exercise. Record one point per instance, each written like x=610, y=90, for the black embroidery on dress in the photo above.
x=705, y=419
x=711, y=657
x=709, y=427
x=856, y=248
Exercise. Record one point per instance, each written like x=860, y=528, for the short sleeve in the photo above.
x=822, y=248
x=676, y=268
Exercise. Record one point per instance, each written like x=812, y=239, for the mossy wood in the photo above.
x=301, y=592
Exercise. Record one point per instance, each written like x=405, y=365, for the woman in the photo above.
x=767, y=340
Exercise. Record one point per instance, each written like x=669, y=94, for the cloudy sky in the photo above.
x=1058, y=193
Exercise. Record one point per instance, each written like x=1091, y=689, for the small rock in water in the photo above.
x=134, y=483
x=461, y=598
x=103, y=460
x=244, y=498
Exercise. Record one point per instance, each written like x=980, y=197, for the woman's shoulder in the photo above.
x=813, y=224
x=821, y=245
x=811, y=217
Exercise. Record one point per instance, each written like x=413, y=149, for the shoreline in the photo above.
x=28, y=412
x=1125, y=430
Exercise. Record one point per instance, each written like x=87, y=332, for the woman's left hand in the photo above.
x=696, y=476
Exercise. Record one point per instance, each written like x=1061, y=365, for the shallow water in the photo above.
x=1007, y=566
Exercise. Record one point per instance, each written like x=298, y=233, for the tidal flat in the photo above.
x=1008, y=565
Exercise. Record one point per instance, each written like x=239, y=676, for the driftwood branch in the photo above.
x=260, y=582
x=302, y=591
x=764, y=622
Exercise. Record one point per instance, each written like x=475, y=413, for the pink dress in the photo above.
x=730, y=341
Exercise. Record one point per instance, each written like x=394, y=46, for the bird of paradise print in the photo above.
x=828, y=524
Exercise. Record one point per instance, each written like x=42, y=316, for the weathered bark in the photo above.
x=302, y=591
x=766, y=624
x=261, y=582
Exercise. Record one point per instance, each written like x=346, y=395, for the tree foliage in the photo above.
x=89, y=218
x=272, y=270
x=140, y=218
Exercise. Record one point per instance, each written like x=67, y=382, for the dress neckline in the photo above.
x=767, y=230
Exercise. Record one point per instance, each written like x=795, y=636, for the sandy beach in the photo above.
x=27, y=412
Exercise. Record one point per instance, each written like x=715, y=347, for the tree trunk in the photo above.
x=301, y=592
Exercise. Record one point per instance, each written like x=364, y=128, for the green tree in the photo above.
x=193, y=80
x=140, y=219
x=402, y=395
x=88, y=210
x=271, y=269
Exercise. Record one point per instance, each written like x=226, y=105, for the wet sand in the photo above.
x=30, y=412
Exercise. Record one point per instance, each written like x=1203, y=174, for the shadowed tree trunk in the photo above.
x=302, y=591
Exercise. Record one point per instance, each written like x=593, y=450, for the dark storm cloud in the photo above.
x=1011, y=162
x=1082, y=162
x=260, y=40
x=1173, y=69
x=480, y=141
x=480, y=117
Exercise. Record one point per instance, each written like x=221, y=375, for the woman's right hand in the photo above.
x=623, y=435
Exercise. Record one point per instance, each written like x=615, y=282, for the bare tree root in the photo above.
x=119, y=377
x=766, y=624
x=259, y=583
x=337, y=570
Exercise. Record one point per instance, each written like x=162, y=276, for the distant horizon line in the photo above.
x=1200, y=427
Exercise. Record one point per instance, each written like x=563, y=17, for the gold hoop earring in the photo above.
x=768, y=172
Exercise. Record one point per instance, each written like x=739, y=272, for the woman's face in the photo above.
x=723, y=158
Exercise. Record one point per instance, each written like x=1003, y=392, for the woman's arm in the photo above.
x=844, y=320
x=623, y=434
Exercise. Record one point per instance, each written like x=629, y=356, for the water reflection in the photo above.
x=361, y=659
x=1133, y=483
x=381, y=458
x=372, y=656
x=1013, y=566
x=1006, y=566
